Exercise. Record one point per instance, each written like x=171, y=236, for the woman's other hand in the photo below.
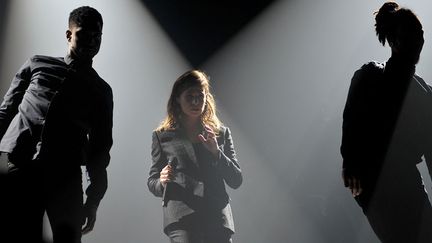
x=209, y=140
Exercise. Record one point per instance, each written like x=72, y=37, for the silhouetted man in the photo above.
x=55, y=117
x=387, y=129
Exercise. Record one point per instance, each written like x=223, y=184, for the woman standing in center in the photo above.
x=192, y=158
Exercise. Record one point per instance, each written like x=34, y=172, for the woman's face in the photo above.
x=192, y=101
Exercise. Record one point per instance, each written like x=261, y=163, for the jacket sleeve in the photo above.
x=227, y=164
x=14, y=96
x=158, y=163
x=100, y=142
x=354, y=140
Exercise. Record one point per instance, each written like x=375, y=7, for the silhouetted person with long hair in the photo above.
x=193, y=158
x=55, y=117
x=387, y=129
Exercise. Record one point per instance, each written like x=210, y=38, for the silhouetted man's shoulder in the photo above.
x=47, y=59
x=426, y=87
x=371, y=68
x=368, y=72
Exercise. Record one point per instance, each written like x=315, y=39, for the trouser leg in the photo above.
x=22, y=205
x=399, y=210
x=220, y=235
x=193, y=229
x=64, y=209
x=184, y=236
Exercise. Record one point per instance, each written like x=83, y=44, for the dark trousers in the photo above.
x=397, y=207
x=30, y=192
x=195, y=229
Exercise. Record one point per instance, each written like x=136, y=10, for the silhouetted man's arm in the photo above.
x=14, y=96
x=100, y=141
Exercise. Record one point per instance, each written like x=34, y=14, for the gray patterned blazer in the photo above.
x=186, y=192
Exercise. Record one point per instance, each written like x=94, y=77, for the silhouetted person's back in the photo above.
x=387, y=129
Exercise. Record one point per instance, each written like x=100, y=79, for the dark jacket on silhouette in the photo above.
x=58, y=113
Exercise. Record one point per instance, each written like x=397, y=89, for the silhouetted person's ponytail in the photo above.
x=391, y=17
x=384, y=21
